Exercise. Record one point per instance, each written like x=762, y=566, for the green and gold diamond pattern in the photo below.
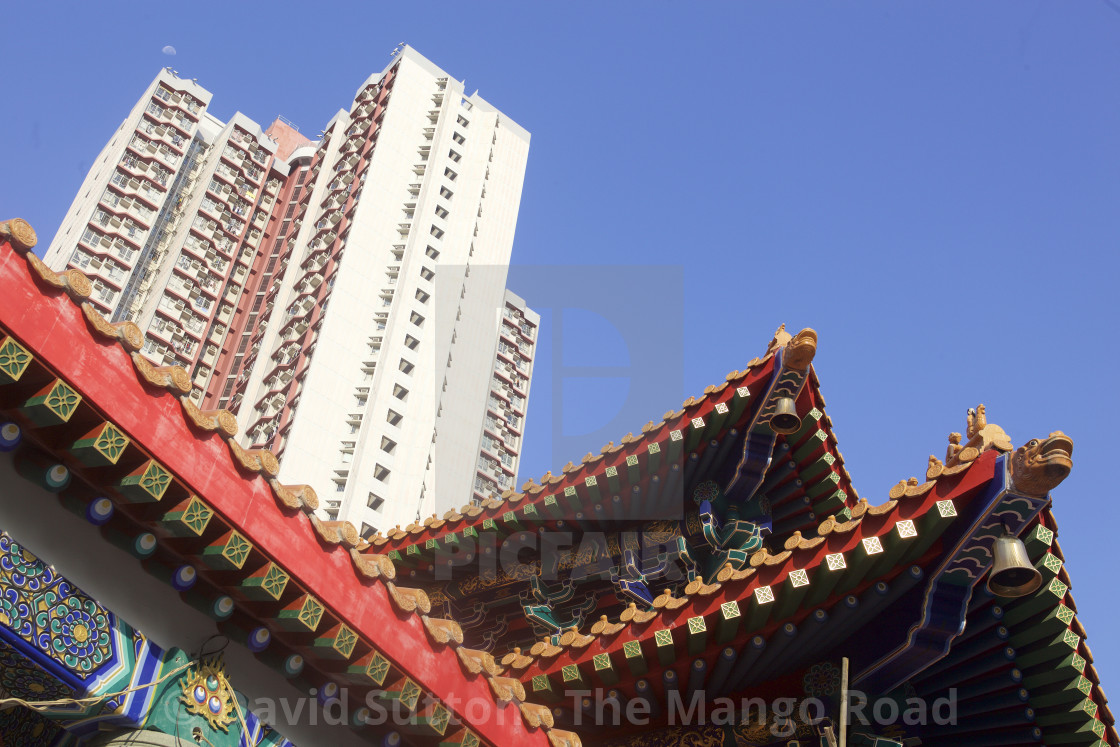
x=275, y=580
x=14, y=360
x=311, y=612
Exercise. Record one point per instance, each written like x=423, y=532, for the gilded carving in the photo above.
x=126, y=333
x=537, y=716
x=477, y=662
x=207, y=693
x=294, y=496
x=507, y=688
x=604, y=627
x=800, y=350
x=222, y=421
x=636, y=617
x=409, y=600
x=373, y=565
x=19, y=234
x=560, y=738
x=335, y=532
x=174, y=378
x=443, y=631
x=255, y=460
x=982, y=436
x=1040, y=465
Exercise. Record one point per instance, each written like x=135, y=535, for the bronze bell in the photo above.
x=785, y=420
x=1013, y=574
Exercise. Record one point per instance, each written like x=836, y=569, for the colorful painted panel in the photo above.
x=59, y=644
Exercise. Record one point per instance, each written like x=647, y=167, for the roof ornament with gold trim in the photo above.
x=373, y=565
x=335, y=532
x=409, y=600
x=507, y=688
x=126, y=333
x=516, y=660
x=221, y=421
x=982, y=436
x=19, y=234
x=1040, y=465
x=537, y=716
x=800, y=350
x=294, y=496
x=76, y=284
x=443, y=631
x=604, y=627
x=174, y=378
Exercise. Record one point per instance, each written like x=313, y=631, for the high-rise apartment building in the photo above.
x=344, y=297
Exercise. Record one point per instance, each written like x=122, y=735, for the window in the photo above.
x=421, y=296
x=433, y=253
x=375, y=501
x=388, y=444
x=446, y=193
x=380, y=472
x=463, y=121
x=416, y=319
x=393, y=417
x=441, y=211
x=406, y=367
x=450, y=174
x=411, y=343
x=458, y=138
x=400, y=392
x=426, y=273
x=437, y=232
x=453, y=156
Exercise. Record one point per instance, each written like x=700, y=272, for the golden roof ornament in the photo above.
x=982, y=436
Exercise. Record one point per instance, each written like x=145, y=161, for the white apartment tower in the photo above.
x=345, y=298
x=169, y=221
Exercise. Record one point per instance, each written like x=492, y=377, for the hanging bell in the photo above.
x=785, y=420
x=1013, y=574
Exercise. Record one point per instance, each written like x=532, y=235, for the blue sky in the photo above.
x=932, y=187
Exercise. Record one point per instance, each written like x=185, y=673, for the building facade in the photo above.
x=343, y=297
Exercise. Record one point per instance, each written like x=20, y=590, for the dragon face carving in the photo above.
x=1039, y=465
x=800, y=350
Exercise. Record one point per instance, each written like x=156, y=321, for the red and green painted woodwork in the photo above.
x=58, y=643
x=730, y=540
x=430, y=720
x=370, y=670
x=146, y=484
x=265, y=584
x=1024, y=651
x=606, y=496
x=188, y=519
x=102, y=446
x=1048, y=650
x=302, y=615
x=14, y=360
x=54, y=404
x=731, y=622
x=229, y=552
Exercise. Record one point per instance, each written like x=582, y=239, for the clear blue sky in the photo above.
x=934, y=187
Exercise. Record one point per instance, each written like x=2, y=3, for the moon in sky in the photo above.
x=169, y=50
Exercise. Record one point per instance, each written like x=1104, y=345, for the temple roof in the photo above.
x=89, y=403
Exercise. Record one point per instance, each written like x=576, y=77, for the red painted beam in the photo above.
x=50, y=325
